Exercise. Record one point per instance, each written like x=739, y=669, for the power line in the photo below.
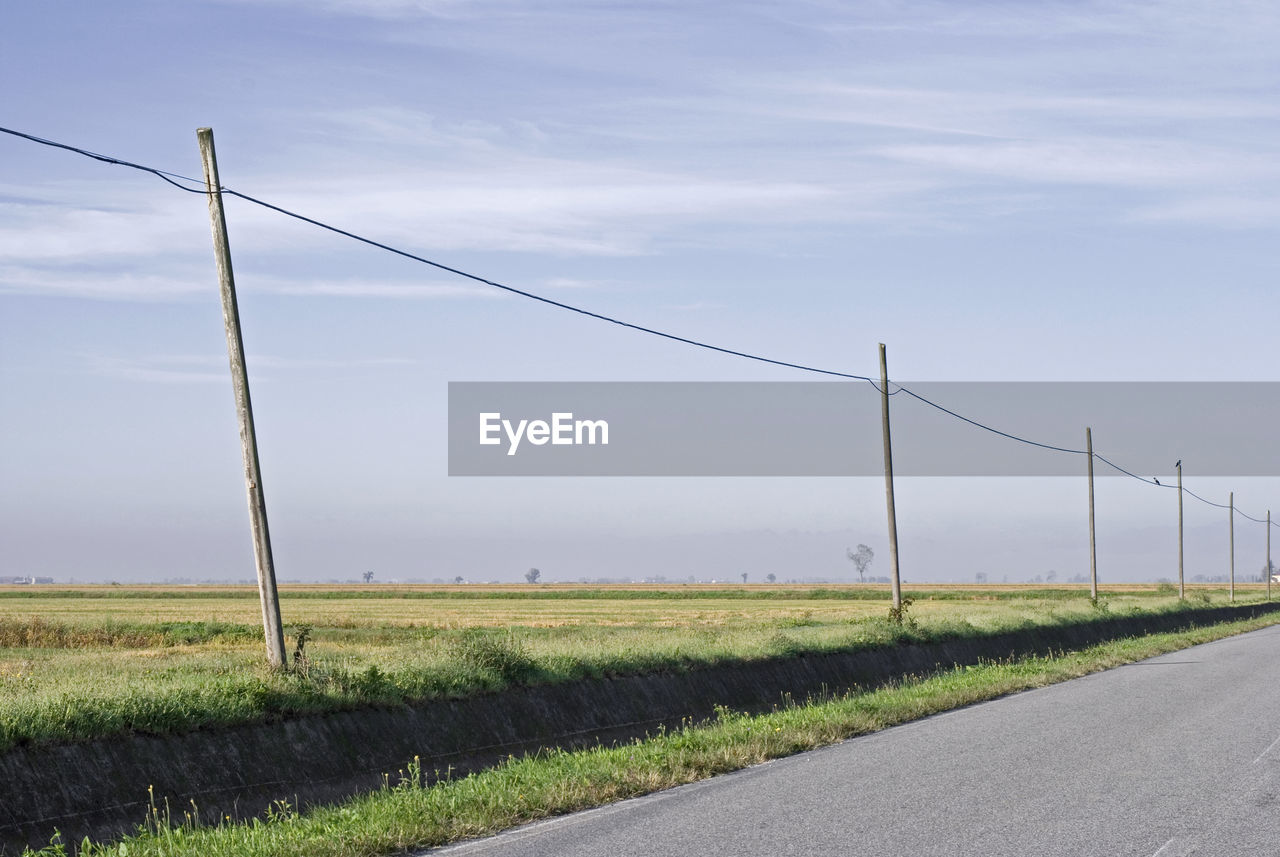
x=1203, y=500
x=541, y=298
x=1115, y=466
x=106, y=159
x=163, y=174
x=989, y=428
x=170, y=177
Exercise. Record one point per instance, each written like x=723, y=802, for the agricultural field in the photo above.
x=90, y=661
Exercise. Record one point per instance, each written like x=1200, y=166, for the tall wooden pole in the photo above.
x=1093, y=541
x=1182, y=593
x=888, y=478
x=1231, y=530
x=1268, y=555
x=244, y=409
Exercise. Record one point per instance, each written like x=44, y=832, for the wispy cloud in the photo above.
x=918, y=126
x=1122, y=163
x=1245, y=210
x=213, y=368
x=98, y=220
x=695, y=306
x=570, y=283
x=156, y=370
x=512, y=200
x=103, y=284
x=358, y=288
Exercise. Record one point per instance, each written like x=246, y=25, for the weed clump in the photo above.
x=785, y=645
x=301, y=663
x=503, y=656
x=899, y=616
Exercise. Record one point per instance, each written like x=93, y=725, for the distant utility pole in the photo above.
x=244, y=409
x=1093, y=542
x=1268, y=571
x=1182, y=593
x=1231, y=531
x=888, y=479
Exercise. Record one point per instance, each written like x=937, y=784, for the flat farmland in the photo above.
x=85, y=662
x=481, y=606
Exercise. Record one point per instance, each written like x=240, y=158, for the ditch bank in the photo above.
x=100, y=788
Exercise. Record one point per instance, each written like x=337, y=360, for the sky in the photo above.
x=1060, y=191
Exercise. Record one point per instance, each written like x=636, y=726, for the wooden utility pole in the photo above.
x=1182, y=593
x=244, y=409
x=1093, y=541
x=1268, y=572
x=888, y=479
x=1231, y=530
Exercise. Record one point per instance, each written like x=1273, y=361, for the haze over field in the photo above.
x=1063, y=191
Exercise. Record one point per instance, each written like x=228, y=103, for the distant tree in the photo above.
x=772, y=578
x=532, y=575
x=1051, y=576
x=744, y=577
x=980, y=577
x=861, y=559
x=368, y=577
x=459, y=579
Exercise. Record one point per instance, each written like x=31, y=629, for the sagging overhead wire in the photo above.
x=175, y=179
x=106, y=159
x=542, y=298
x=1251, y=517
x=990, y=428
x=169, y=177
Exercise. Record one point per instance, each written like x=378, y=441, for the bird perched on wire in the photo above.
x=1179, y=464
x=1157, y=481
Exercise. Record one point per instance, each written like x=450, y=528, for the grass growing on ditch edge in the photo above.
x=411, y=814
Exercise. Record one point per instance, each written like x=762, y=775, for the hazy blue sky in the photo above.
x=998, y=191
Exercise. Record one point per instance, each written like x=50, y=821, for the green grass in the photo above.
x=164, y=664
x=38, y=633
x=409, y=814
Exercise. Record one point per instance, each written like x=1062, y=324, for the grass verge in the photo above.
x=411, y=814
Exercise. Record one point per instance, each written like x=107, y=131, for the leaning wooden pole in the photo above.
x=244, y=409
x=888, y=479
x=1093, y=539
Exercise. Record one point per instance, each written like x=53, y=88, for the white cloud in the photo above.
x=1244, y=211
x=1121, y=163
x=156, y=370
x=104, y=284
x=99, y=220
x=213, y=368
x=555, y=206
x=964, y=111
x=570, y=283
x=364, y=288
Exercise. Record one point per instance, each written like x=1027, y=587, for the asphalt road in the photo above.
x=1173, y=756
